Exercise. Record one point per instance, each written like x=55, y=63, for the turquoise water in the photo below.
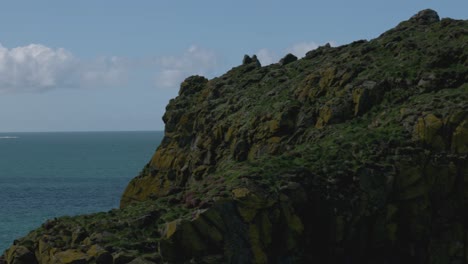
x=46, y=175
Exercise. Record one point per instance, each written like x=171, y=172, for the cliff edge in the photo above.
x=353, y=154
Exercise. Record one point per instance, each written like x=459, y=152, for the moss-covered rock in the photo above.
x=20, y=255
x=460, y=138
x=70, y=256
x=100, y=255
x=428, y=129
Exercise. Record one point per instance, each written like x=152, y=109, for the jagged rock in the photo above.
x=426, y=17
x=209, y=230
x=20, y=255
x=100, y=255
x=192, y=84
x=78, y=236
x=427, y=81
x=460, y=138
x=182, y=238
x=428, y=130
x=255, y=59
x=437, y=131
x=287, y=59
x=246, y=60
x=123, y=258
x=45, y=249
x=70, y=256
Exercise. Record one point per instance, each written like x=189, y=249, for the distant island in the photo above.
x=352, y=154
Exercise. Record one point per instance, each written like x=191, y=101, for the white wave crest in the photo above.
x=8, y=137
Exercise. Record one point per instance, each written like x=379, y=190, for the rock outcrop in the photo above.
x=353, y=154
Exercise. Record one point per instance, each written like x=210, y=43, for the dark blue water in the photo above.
x=46, y=175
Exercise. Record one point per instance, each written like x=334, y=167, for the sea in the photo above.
x=47, y=175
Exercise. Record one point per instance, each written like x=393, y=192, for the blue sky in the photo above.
x=113, y=65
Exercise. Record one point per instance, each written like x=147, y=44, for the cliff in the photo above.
x=353, y=154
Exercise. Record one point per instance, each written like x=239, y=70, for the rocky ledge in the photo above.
x=353, y=154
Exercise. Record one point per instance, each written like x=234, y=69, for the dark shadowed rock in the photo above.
x=123, y=258
x=20, y=255
x=287, y=59
x=246, y=60
x=141, y=261
x=192, y=85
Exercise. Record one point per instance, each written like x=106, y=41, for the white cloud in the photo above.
x=266, y=57
x=169, y=78
x=172, y=70
x=104, y=71
x=37, y=68
x=300, y=49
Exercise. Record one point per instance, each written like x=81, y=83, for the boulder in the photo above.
x=425, y=17
x=246, y=60
x=100, y=255
x=428, y=130
x=287, y=59
x=71, y=256
x=123, y=257
x=20, y=255
x=460, y=138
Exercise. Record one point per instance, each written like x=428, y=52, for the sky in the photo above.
x=114, y=65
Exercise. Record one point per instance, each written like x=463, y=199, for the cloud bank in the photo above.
x=300, y=49
x=38, y=68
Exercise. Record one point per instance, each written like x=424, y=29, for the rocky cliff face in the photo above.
x=354, y=154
